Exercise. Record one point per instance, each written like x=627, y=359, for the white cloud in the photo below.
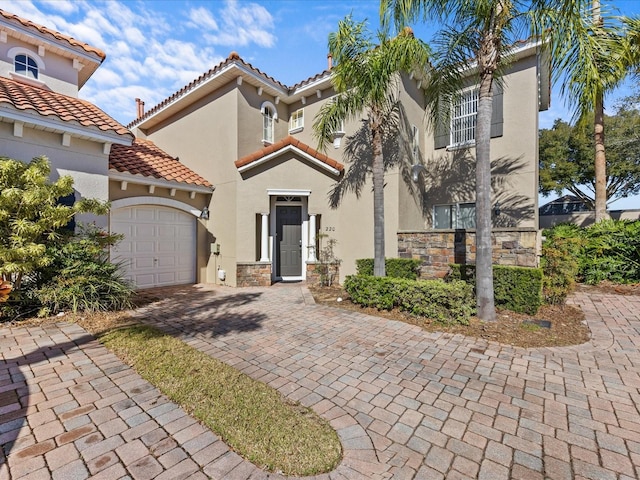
x=201, y=17
x=63, y=6
x=244, y=24
x=105, y=77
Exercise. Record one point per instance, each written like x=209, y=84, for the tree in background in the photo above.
x=566, y=156
x=365, y=77
x=600, y=51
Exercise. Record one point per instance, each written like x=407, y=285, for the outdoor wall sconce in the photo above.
x=496, y=209
x=415, y=172
x=204, y=215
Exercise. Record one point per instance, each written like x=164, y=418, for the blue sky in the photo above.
x=155, y=47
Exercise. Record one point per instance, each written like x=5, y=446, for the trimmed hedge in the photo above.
x=408, y=268
x=444, y=302
x=514, y=288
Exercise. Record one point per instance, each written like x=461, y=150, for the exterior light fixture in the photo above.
x=204, y=215
x=496, y=209
x=415, y=172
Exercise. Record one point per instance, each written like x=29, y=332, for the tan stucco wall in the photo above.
x=58, y=73
x=205, y=138
x=83, y=160
x=450, y=175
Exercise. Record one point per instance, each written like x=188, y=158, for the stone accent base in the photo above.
x=253, y=274
x=439, y=249
x=313, y=275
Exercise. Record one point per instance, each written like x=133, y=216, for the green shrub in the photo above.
x=611, y=252
x=560, y=262
x=514, y=288
x=444, y=302
x=81, y=277
x=394, y=267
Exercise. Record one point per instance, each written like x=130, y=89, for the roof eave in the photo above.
x=288, y=148
x=56, y=125
x=157, y=182
x=224, y=75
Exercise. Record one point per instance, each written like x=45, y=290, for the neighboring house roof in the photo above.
x=564, y=205
x=288, y=144
x=236, y=69
x=36, y=105
x=145, y=158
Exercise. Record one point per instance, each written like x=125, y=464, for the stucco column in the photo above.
x=312, y=237
x=264, y=238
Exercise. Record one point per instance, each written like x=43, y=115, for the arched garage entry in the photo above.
x=159, y=244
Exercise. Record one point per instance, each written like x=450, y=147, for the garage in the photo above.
x=159, y=245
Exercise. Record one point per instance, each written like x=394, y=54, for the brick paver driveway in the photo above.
x=406, y=404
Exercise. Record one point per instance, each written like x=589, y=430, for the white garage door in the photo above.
x=159, y=245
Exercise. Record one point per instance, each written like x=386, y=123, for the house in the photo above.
x=570, y=209
x=250, y=136
x=156, y=201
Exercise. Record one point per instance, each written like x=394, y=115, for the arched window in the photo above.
x=269, y=114
x=25, y=65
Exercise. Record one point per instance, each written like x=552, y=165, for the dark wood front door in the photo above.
x=289, y=238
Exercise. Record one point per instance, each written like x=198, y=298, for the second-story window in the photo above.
x=267, y=124
x=25, y=65
x=297, y=121
x=463, y=118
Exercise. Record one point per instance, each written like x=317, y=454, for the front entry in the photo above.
x=289, y=241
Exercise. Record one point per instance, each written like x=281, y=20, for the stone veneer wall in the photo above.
x=313, y=276
x=439, y=248
x=253, y=274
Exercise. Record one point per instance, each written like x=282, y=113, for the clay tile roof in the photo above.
x=232, y=58
x=284, y=143
x=57, y=35
x=145, y=158
x=52, y=104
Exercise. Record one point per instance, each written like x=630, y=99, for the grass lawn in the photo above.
x=254, y=419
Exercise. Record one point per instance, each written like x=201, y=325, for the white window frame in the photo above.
x=415, y=143
x=269, y=115
x=24, y=76
x=464, y=112
x=455, y=216
x=296, y=122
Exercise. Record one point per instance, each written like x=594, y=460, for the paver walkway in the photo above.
x=405, y=403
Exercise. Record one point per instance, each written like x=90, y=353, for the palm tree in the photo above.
x=596, y=59
x=364, y=77
x=475, y=45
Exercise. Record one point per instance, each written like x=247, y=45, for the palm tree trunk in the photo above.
x=601, y=163
x=484, y=263
x=598, y=134
x=378, y=196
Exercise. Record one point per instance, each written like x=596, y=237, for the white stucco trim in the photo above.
x=54, y=124
x=287, y=192
x=296, y=150
x=166, y=202
x=157, y=182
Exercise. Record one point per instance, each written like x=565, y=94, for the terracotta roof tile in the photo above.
x=52, y=104
x=57, y=35
x=145, y=158
x=281, y=144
